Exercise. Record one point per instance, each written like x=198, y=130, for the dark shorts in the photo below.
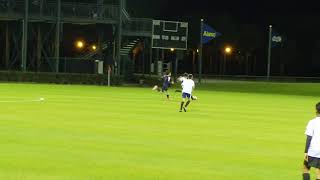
x=186, y=95
x=165, y=88
x=312, y=162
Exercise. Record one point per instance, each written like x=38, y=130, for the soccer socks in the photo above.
x=188, y=102
x=306, y=176
x=182, y=103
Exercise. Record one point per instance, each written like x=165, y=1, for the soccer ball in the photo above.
x=194, y=97
x=155, y=88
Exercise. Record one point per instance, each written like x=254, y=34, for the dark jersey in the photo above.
x=166, y=81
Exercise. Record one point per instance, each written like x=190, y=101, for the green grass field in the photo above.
x=235, y=130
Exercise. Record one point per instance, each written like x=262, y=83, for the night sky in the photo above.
x=291, y=18
x=244, y=25
x=246, y=22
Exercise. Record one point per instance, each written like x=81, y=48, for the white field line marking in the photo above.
x=21, y=100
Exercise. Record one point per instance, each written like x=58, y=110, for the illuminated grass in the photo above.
x=100, y=133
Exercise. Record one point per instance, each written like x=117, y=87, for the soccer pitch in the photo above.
x=235, y=130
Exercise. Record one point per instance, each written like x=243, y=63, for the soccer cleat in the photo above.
x=185, y=109
x=180, y=111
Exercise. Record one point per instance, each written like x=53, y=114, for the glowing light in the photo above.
x=228, y=50
x=79, y=44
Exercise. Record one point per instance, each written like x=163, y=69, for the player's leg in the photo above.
x=165, y=90
x=306, y=170
x=306, y=173
x=167, y=94
x=316, y=164
x=188, y=102
x=183, y=101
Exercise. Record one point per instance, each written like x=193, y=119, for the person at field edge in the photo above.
x=166, y=83
x=187, y=88
x=312, y=148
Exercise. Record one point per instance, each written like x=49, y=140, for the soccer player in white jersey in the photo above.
x=181, y=79
x=312, y=149
x=187, y=88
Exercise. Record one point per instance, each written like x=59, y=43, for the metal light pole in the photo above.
x=200, y=51
x=118, y=57
x=269, y=52
x=224, y=63
x=57, y=42
x=25, y=37
x=227, y=51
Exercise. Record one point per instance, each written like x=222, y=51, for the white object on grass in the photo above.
x=155, y=87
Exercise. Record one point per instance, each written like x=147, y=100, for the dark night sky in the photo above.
x=298, y=22
x=293, y=18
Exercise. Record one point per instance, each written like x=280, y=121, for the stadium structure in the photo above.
x=34, y=35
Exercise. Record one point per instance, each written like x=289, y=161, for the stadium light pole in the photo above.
x=269, y=52
x=200, y=50
x=227, y=51
x=25, y=37
x=176, y=63
x=119, y=38
x=58, y=29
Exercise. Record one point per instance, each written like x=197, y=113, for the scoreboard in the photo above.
x=169, y=34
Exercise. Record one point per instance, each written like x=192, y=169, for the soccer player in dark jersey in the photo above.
x=166, y=84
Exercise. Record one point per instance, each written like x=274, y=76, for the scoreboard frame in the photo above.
x=166, y=37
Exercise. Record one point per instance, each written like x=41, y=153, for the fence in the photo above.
x=48, y=11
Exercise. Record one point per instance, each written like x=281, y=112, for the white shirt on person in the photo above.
x=187, y=86
x=313, y=130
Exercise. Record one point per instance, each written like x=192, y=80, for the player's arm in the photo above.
x=308, y=142
x=309, y=134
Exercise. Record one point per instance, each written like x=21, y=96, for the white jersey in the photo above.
x=187, y=86
x=313, y=129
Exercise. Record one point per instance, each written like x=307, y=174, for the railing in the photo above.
x=138, y=25
x=68, y=10
x=89, y=11
x=11, y=8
